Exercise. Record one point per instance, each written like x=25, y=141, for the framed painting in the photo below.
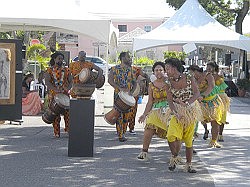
x=7, y=73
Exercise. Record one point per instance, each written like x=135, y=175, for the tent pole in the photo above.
x=108, y=89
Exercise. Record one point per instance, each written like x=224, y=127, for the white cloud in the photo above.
x=136, y=8
x=157, y=8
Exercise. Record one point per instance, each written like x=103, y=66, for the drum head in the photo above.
x=62, y=99
x=84, y=75
x=126, y=98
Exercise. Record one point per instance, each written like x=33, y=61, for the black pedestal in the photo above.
x=81, y=129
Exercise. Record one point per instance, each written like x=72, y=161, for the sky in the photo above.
x=116, y=8
x=137, y=8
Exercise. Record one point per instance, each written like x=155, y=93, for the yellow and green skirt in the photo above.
x=212, y=109
x=158, y=119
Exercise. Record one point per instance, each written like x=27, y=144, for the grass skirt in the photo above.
x=212, y=109
x=158, y=120
x=191, y=114
x=226, y=103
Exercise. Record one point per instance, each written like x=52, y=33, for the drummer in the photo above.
x=77, y=66
x=122, y=77
x=58, y=80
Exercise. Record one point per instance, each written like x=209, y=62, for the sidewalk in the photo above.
x=30, y=156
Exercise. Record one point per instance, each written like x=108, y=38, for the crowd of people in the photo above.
x=177, y=101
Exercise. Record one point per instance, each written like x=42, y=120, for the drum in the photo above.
x=84, y=75
x=112, y=116
x=136, y=90
x=60, y=103
x=49, y=116
x=124, y=102
x=100, y=80
x=83, y=91
x=87, y=76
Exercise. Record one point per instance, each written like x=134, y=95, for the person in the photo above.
x=155, y=113
x=221, y=85
x=182, y=95
x=122, y=77
x=31, y=102
x=142, y=85
x=77, y=66
x=211, y=104
x=58, y=80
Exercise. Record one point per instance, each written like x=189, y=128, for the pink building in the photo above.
x=127, y=30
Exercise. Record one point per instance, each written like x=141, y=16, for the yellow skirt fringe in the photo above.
x=212, y=110
x=192, y=114
x=183, y=129
x=158, y=121
x=226, y=103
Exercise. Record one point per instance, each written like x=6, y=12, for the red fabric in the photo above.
x=31, y=105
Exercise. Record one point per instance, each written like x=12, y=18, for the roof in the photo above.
x=192, y=24
x=54, y=16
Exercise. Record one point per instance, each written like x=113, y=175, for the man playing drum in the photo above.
x=81, y=70
x=122, y=78
x=58, y=80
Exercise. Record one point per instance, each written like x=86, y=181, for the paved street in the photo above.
x=31, y=156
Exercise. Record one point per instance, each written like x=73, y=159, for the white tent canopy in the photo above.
x=54, y=15
x=191, y=24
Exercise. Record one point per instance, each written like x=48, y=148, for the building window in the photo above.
x=122, y=28
x=147, y=28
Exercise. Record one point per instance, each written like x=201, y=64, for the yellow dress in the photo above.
x=183, y=129
x=211, y=105
x=158, y=118
x=225, y=99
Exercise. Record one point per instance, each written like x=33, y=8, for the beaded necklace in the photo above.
x=56, y=81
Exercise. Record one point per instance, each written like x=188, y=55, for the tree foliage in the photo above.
x=36, y=53
x=5, y=35
x=174, y=54
x=142, y=61
x=222, y=10
x=24, y=36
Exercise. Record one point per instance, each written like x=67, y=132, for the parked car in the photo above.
x=97, y=61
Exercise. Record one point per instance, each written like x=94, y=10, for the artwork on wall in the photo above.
x=7, y=73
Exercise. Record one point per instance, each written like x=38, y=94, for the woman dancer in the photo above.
x=182, y=96
x=155, y=111
x=211, y=104
x=221, y=85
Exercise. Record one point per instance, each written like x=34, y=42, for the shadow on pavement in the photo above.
x=31, y=156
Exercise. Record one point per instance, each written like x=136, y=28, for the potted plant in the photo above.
x=243, y=85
